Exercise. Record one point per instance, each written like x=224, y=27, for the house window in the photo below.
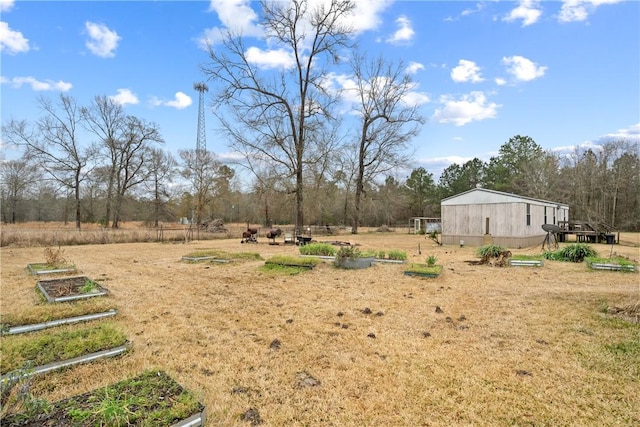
x=528, y=214
x=545, y=215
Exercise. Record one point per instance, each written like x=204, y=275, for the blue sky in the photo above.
x=566, y=73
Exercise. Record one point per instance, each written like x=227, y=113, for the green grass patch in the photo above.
x=318, y=249
x=46, y=312
x=613, y=260
x=43, y=266
x=45, y=347
x=150, y=399
x=287, y=270
x=424, y=269
x=525, y=257
x=292, y=261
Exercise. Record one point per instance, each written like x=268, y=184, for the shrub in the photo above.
x=431, y=260
x=319, y=249
x=575, y=252
x=490, y=251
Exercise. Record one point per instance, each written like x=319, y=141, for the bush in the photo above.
x=575, y=252
x=319, y=249
x=491, y=251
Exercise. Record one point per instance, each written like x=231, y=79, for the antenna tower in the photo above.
x=201, y=144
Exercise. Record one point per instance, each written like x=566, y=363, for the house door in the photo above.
x=416, y=225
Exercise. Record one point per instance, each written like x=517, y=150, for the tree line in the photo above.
x=316, y=153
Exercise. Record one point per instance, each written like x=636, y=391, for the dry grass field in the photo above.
x=478, y=345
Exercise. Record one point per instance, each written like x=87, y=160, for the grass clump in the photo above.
x=318, y=249
x=575, y=252
x=397, y=255
x=526, y=257
x=45, y=347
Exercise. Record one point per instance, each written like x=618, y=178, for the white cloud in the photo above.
x=500, y=81
x=415, y=98
x=468, y=108
x=275, y=58
x=414, y=67
x=404, y=33
x=124, y=97
x=579, y=10
x=366, y=14
x=466, y=71
x=11, y=41
x=180, y=102
x=236, y=16
x=528, y=11
x=632, y=133
x=102, y=41
x=523, y=69
x=6, y=5
x=37, y=85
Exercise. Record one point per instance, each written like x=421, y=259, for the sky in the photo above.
x=565, y=73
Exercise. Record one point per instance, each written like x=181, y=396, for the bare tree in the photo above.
x=162, y=167
x=105, y=118
x=387, y=122
x=272, y=113
x=16, y=178
x=133, y=148
x=200, y=168
x=53, y=143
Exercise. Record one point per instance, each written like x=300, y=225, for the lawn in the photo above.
x=478, y=345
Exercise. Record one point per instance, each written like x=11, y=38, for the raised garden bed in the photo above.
x=525, y=263
x=423, y=270
x=70, y=288
x=47, y=351
x=55, y=366
x=354, y=263
x=615, y=263
x=41, y=268
x=13, y=330
x=612, y=267
x=150, y=399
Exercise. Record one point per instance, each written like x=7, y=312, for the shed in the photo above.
x=424, y=225
x=480, y=216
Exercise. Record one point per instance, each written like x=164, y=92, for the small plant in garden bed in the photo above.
x=150, y=399
x=575, y=252
x=45, y=347
x=318, y=249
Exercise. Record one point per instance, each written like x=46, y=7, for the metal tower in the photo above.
x=201, y=144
